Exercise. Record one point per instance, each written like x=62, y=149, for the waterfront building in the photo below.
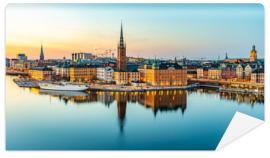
x=126, y=77
x=247, y=72
x=166, y=74
x=228, y=72
x=191, y=74
x=40, y=73
x=77, y=57
x=62, y=70
x=257, y=76
x=214, y=73
x=240, y=71
x=22, y=65
x=121, y=53
x=133, y=76
x=82, y=73
x=253, y=54
x=142, y=72
x=202, y=73
x=13, y=63
x=21, y=56
x=105, y=73
x=41, y=55
x=121, y=77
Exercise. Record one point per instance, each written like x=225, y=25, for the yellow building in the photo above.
x=120, y=77
x=166, y=75
x=124, y=77
x=82, y=73
x=40, y=73
x=133, y=76
x=214, y=73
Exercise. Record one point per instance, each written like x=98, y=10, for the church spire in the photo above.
x=226, y=56
x=41, y=56
x=121, y=42
x=121, y=53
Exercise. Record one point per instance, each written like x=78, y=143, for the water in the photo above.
x=187, y=120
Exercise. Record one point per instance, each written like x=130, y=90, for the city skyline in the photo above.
x=165, y=30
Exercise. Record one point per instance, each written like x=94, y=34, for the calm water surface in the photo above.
x=48, y=120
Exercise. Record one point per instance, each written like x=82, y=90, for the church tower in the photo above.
x=253, y=54
x=121, y=53
x=41, y=56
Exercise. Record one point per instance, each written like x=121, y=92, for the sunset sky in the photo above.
x=162, y=30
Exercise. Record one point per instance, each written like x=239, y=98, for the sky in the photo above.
x=164, y=31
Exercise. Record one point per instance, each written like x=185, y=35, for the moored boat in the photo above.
x=62, y=86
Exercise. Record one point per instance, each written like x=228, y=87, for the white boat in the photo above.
x=63, y=86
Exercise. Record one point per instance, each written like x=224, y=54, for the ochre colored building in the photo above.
x=166, y=75
x=125, y=77
x=40, y=73
x=82, y=73
x=214, y=73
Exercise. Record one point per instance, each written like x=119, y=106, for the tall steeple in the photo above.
x=226, y=56
x=41, y=56
x=253, y=54
x=121, y=52
x=121, y=41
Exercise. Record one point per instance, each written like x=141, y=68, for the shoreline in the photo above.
x=121, y=88
x=136, y=89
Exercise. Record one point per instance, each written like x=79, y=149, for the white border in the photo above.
x=255, y=143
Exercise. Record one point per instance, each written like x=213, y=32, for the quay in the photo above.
x=16, y=73
x=21, y=82
x=24, y=82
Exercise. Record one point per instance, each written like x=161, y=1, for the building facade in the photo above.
x=82, y=73
x=40, y=73
x=62, y=71
x=121, y=77
x=257, y=76
x=214, y=73
x=105, y=73
x=228, y=72
x=247, y=72
x=166, y=75
x=125, y=77
x=240, y=71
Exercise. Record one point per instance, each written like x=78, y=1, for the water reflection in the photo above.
x=158, y=101
x=167, y=100
x=248, y=98
x=137, y=120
